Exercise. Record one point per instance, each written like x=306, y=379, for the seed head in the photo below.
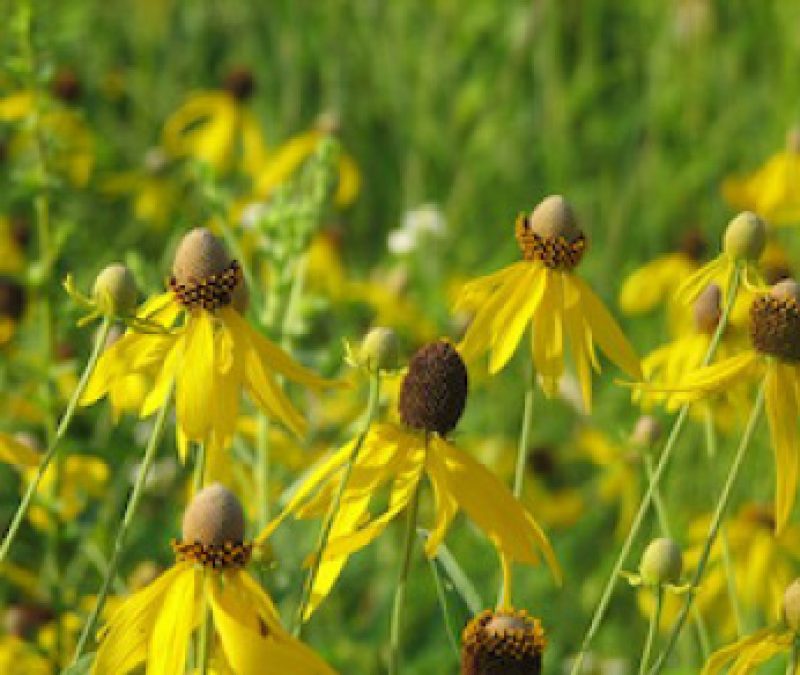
x=550, y=234
x=791, y=605
x=775, y=321
x=745, y=236
x=647, y=432
x=503, y=642
x=434, y=390
x=116, y=287
x=12, y=299
x=708, y=309
x=203, y=274
x=662, y=563
x=693, y=244
x=240, y=83
x=214, y=518
x=379, y=349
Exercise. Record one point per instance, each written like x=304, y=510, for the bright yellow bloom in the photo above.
x=544, y=292
x=74, y=153
x=773, y=190
x=393, y=455
x=216, y=127
x=208, y=358
x=155, y=625
x=283, y=162
x=775, y=359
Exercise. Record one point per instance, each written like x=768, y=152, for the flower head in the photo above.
x=155, y=624
x=543, y=290
x=503, y=642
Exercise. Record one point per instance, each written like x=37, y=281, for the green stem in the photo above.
x=655, y=618
x=69, y=413
x=663, y=524
x=727, y=562
x=396, y=629
x=122, y=534
x=660, y=469
x=524, y=436
x=325, y=533
x=204, y=641
x=794, y=659
x=443, y=604
x=713, y=530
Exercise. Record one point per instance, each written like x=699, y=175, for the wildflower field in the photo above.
x=399, y=337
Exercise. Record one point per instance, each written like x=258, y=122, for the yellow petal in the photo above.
x=548, y=333
x=195, y=394
x=124, y=641
x=722, y=657
x=696, y=283
x=177, y=619
x=269, y=396
x=605, y=330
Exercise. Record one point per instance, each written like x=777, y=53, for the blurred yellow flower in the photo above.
x=746, y=655
x=17, y=656
x=543, y=291
x=13, y=451
x=773, y=190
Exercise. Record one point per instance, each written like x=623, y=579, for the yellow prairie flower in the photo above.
x=209, y=358
x=155, y=625
x=543, y=291
x=432, y=399
x=773, y=358
x=773, y=190
x=216, y=127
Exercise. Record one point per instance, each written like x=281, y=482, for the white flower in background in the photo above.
x=424, y=222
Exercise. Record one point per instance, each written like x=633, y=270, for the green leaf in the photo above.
x=81, y=667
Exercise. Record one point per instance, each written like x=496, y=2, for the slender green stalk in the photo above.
x=443, y=604
x=122, y=534
x=663, y=524
x=727, y=563
x=325, y=533
x=655, y=619
x=396, y=628
x=199, y=467
x=793, y=664
x=524, y=436
x=206, y=628
x=69, y=413
x=713, y=530
x=660, y=469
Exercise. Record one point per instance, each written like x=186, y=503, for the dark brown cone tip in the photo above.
x=550, y=234
x=240, y=83
x=707, y=309
x=775, y=321
x=12, y=299
x=66, y=86
x=502, y=642
x=204, y=275
x=434, y=390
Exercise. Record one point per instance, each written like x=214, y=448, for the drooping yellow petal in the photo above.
x=177, y=619
x=165, y=380
x=548, y=333
x=491, y=506
x=124, y=641
x=269, y=396
x=696, y=283
x=580, y=340
x=605, y=330
x=783, y=409
x=194, y=392
x=257, y=652
x=445, y=508
x=722, y=657
x=510, y=322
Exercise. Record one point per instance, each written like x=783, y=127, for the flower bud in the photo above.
x=379, y=349
x=707, y=309
x=745, y=236
x=115, y=290
x=647, y=431
x=791, y=605
x=662, y=563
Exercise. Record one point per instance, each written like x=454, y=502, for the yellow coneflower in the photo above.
x=543, y=290
x=432, y=399
x=209, y=358
x=774, y=358
x=746, y=655
x=503, y=642
x=773, y=190
x=215, y=126
x=155, y=625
